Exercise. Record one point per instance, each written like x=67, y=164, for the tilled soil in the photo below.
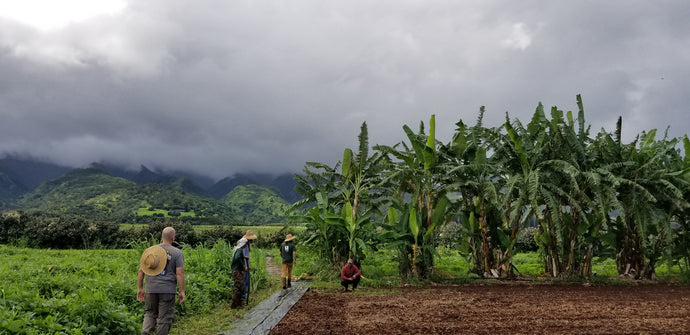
x=493, y=309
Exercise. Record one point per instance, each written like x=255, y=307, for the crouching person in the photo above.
x=350, y=275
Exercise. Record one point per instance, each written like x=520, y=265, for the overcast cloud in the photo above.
x=219, y=87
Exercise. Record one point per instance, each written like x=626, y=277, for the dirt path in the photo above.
x=272, y=268
x=496, y=309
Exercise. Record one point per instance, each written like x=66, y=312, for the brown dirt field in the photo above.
x=493, y=309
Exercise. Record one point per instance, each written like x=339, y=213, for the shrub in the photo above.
x=525, y=240
x=69, y=232
x=12, y=226
x=274, y=239
x=226, y=234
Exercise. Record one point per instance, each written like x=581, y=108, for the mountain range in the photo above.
x=111, y=192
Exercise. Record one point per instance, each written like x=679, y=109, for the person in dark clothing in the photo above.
x=239, y=267
x=350, y=275
x=246, y=251
x=289, y=257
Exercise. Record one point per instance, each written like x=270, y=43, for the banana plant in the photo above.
x=361, y=182
x=325, y=229
x=475, y=177
x=532, y=190
x=651, y=194
x=418, y=178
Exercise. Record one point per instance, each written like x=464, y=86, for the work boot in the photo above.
x=289, y=282
x=284, y=287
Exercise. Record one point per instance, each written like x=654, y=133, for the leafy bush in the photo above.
x=12, y=226
x=75, y=232
x=525, y=240
x=219, y=233
x=69, y=232
x=275, y=238
x=450, y=235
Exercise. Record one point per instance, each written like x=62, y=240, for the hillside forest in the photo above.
x=76, y=208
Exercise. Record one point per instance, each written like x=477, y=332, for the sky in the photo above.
x=225, y=87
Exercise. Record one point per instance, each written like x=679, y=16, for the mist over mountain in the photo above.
x=19, y=176
x=29, y=173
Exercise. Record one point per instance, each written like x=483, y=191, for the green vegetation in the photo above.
x=89, y=291
x=91, y=193
x=9, y=191
x=381, y=270
x=150, y=211
x=94, y=291
x=543, y=201
x=256, y=205
x=94, y=194
x=547, y=185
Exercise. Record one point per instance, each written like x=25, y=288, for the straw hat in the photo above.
x=249, y=235
x=153, y=260
x=289, y=237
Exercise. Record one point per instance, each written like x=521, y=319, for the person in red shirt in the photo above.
x=350, y=275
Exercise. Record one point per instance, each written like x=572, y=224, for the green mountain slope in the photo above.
x=93, y=193
x=256, y=205
x=9, y=191
x=87, y=192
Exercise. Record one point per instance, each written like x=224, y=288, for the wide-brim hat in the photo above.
x=249, y=235
x=153, y=260
x=289, y=237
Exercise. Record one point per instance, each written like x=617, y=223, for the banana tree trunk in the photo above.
x=630, y=260
x=486, y=243
x=587, y=263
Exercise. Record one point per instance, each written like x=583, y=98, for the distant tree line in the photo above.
x=77, y=232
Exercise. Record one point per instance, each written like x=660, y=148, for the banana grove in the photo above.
x=583, y=194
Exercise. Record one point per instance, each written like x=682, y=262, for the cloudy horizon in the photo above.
x=218, y=88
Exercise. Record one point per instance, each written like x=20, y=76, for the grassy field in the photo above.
x=94, y=291
x=381, y=269
x=198, y=228
x=144, y=211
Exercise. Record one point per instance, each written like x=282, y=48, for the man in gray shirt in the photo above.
x=163, y=267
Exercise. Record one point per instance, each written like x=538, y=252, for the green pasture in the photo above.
x=144, y=211
x=197, y=228
x=260, y=230
x=265, y=230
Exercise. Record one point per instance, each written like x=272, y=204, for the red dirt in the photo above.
x=495, y=309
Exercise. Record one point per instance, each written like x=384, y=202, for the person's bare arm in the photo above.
x=179, y=272
x=140, y=286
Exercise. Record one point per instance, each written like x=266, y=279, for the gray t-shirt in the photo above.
x=166, y=281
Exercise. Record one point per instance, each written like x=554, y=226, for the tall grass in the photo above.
x=94, y=291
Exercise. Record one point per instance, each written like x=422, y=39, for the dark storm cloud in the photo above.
x=224, y=87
